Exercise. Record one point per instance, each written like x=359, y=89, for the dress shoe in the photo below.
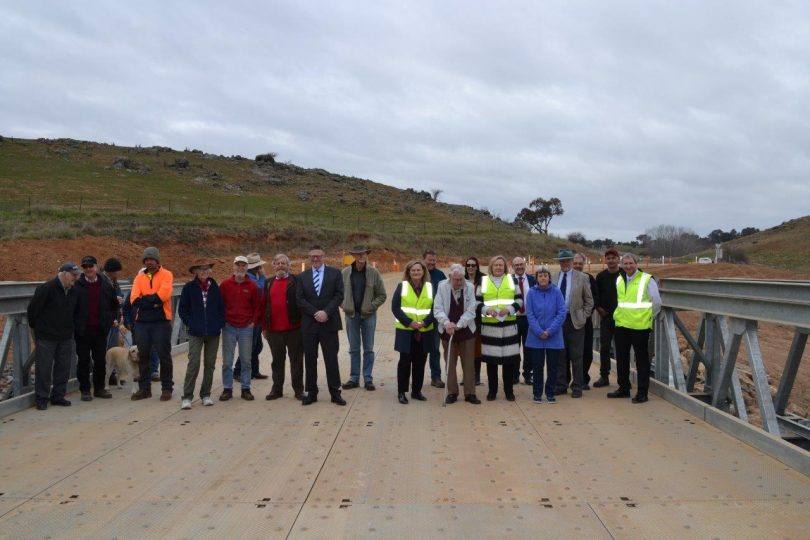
x=60, y=402
x=478, y=382
x=299, y=396
x=560, y=392
x=438, y=383
x=510, y=397
x=227, y=393
x=419, y=396
x=42, y=405
x=259, y=376
x=370, y=386
x=103, y=394
x=86, y=396
x=247, y=395
x=141, y=394
x=450, y=399
x=619, y=394
x=640, y=398
x=471, y=398
x=348, y=385
x=528, y=380
x=603, y=381
x=402, y=399
x=576, y=395
x=337, y=400
x=491, y=396
x=165, y=395
x=272, y=395
x=309, y=399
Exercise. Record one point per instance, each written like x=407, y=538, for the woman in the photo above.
x=498, y=301
x=545, y=312
x=412, y=305
x=473, y=275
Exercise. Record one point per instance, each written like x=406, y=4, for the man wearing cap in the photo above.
x=436, y=277
x=99, y=313
x=151, y=301
x=576, y=290
x=364, y=293
x=202, y=311
x=256, y=273
x=282, y=328
x=52, y=313
x=319, y=293
x=524, y=283
x=587, y=351
x=605, y=306
x=240, y=297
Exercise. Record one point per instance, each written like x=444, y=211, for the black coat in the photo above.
x=108, y=308
x=293, y=311
x=329, y=300
x=53, y=310
x=402, y=338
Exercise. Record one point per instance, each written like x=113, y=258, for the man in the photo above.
x=576, y=290
x=638, y=303
x=240, y=296
x=255, y=273
x=364, y=293
x=202, y=311
x=151, y=299
x=99, y=313
x=605, y=305
x=111, y=270
x=319, y=293
x=454, y=308
x=51, y=315
x=524, y=283
x=587, y=353
x=436, y=277
x=282, y=328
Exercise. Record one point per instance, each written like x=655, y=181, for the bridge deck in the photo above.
x=592, y=468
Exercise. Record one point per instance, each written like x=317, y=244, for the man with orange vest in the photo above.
x=151, y=300
x=639, y=303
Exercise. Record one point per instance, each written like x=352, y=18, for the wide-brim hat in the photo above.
x=200, y=263
x=357, y=250
x=564, y=254
x=254, y=260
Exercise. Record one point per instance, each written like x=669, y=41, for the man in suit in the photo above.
x=319, y=293
x=576, y=290
x=524, y=282
x=587, y=355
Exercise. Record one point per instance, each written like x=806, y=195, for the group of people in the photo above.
x=472, y=316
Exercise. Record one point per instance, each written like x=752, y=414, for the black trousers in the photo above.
x=91, y=348
x=282, y=343
x=159, y=336
x=329, y=342
x=523, y=331
x=52, y=360
x=411, y=365
x=607, y=328
x=639, y=341
x=507, y=371
x=587, y=352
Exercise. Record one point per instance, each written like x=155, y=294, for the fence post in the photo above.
x=208, y=212
x=126, y=205
x=81, y=201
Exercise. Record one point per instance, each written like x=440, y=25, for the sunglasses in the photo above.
x=472, y=266
x=88, y=265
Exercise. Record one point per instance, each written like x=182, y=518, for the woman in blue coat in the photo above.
x=545, y=311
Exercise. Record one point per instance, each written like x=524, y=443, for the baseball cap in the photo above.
x=71, y=267
x=240, y=259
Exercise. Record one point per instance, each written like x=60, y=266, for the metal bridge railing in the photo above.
x=16, y=344
x=730, y=312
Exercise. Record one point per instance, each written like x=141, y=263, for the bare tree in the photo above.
x=435, y=192
x=671, y=240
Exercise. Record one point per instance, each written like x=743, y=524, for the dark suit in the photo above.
x=523, y=325
x=326, y=333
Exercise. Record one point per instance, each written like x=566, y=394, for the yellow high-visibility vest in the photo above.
x=635, y=308
x=417, y=308
x=497, y=297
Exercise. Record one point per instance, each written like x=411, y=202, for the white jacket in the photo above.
x=441, y=306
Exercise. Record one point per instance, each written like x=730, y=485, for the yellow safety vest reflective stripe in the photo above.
x=497, y=297
x=417, y=308
x=635, y=307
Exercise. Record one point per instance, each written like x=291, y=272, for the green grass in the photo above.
x=64, y=188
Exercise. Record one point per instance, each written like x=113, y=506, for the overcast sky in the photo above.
x=634, y=114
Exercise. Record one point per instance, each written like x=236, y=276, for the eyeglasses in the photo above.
x=88, y=265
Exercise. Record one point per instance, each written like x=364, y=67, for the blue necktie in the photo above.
x=564, y=285
x=317, y=278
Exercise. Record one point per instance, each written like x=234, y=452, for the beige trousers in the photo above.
x=466, y=351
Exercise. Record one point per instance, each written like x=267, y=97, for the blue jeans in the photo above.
x=539, y=357
x=232, y=335
x=358, y=329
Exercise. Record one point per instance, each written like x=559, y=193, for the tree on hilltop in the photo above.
x=539, y=214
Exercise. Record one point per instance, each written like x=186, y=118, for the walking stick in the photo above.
x=446, y=368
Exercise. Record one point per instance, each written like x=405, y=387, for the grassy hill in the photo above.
x=63, y=188
x=784, y=246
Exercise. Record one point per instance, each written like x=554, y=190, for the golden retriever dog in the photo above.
x=125, y=361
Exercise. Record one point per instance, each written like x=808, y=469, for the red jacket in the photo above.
x=242, y=304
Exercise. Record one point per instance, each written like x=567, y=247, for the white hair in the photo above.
x=456, y=270
x=281, y=256
x=629, y=255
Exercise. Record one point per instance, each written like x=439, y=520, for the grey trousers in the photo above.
x=52, y=367
x=570, y=362
x=196, y=346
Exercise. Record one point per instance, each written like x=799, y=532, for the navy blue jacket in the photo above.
x=202, y=320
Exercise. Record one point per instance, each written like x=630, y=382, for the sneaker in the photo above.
x=370, y=386
x=207, y=401
x=551, y=399
x=86, y=396
x=348, y=385
x=103, y=394
x=538, y=399
x=185, y=404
